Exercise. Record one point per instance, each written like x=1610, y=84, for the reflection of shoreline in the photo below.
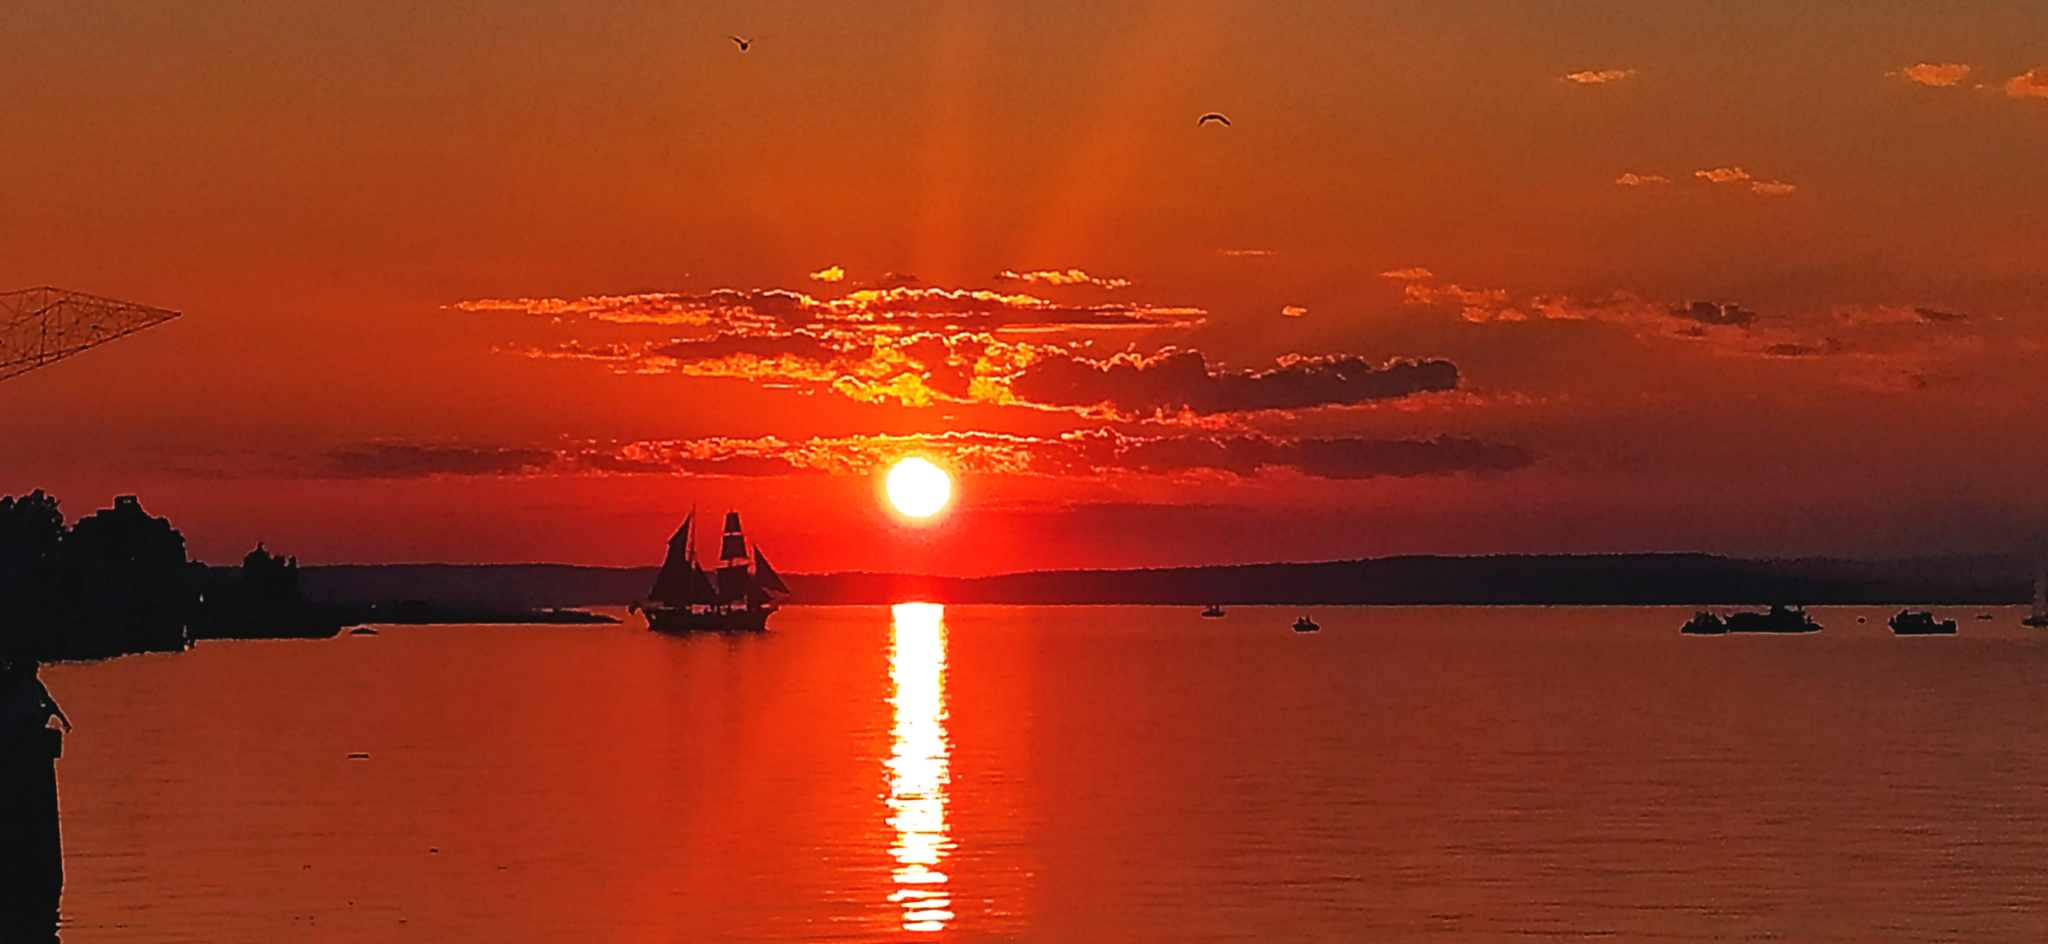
x=918, y=764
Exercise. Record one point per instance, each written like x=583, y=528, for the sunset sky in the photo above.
x=523, y=281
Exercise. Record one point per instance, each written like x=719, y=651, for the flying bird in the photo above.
x=744, y=43
x=1212, y=116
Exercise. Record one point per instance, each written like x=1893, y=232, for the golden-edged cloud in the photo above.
x=2032, y=83
x=931, y=368
x=1935, y=74
x=1600, y=77
x=1293, y=311
x=829, y=274
x=903, y=307
x=1061, y=277
x=1085, y=452
x=1641, y=180
x=1736, y=175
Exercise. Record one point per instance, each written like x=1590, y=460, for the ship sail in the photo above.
x=672, y=585
x=734, y=546
x=766, y=575
x=734, y=583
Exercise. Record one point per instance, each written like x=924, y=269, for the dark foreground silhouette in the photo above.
x=118, y=583
x=31, y=851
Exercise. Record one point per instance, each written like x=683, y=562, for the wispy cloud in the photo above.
x=829, y=274
x=1600, y=77
x=1172, y=382
x=1736, y=175
x=1293, y=311
x=2032, y=83
x=1641, y=180
x=1408, y=275
x=1087, y=452
x=1723, y=175
x=1247, y=252
x=1061, y=277
x=1937, y=74
x=1877, y=346
x=906, y=307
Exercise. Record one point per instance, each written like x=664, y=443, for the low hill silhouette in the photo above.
x=1578, y=580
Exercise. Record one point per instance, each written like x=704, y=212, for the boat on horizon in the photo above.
x=1922, y=623
x=2040, y=614
x=1215, y=609
x=1305, y=625
x=738, y=596
x=1778, y=619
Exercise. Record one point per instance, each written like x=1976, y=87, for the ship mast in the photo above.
x=2040, y=616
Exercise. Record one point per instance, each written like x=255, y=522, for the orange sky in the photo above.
x=523, y=282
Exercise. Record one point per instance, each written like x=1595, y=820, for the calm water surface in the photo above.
x=1068, y=774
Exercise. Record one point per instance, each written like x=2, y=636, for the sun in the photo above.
x=918, y=488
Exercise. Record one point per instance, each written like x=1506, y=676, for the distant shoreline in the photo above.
x=1499, y=580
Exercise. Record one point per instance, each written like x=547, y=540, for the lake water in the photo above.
x=1068, y=774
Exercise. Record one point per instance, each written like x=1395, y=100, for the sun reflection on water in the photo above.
x=917, y=768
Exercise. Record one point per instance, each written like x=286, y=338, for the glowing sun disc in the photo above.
x=918, y=488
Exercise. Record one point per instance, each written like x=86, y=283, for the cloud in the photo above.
x=1939, y=75
x=1736, y=175
x=2032, y=83
x=1711, y=313
x=1176, y=381
x=1248, y=252
x=1347, y=458
x=1601, y=77
x=929, y=368
x=1638, y=180
x=1932, y=314
x=871, y=367
x=1408, y=275
x=911, y=307
x=381, y=460
x=1824, y=347
x=829, y=274
x=1089, y=452
x=919, y=346
x=1056, y=277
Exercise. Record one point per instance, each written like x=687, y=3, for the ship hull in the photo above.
x=677, y=622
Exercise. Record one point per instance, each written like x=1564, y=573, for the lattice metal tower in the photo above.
x=40, y=326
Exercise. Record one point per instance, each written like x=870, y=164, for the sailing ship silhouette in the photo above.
x=738, y=596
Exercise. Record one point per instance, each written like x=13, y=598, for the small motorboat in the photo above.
x=362, y=631
x=1985, y=616
x=1213, y=610
x=1305, y=625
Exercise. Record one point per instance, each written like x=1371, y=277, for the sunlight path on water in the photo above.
x=917, y=768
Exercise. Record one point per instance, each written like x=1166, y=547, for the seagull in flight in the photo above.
x=744, y=43
x=1212, y=116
